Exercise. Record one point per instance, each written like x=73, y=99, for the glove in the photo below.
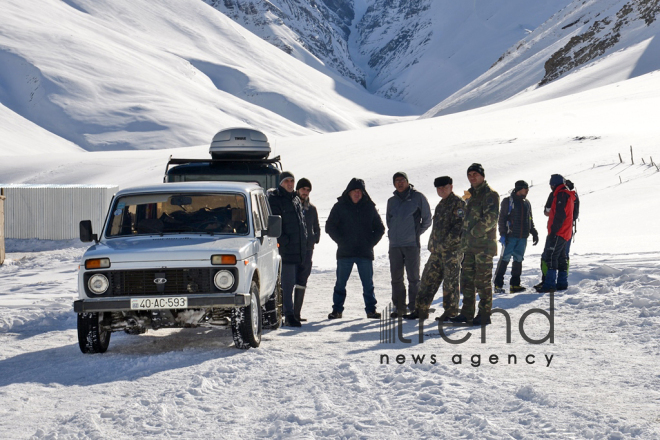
x=502, y=240
x=535, y=237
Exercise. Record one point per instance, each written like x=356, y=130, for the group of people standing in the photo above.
x=463, y=244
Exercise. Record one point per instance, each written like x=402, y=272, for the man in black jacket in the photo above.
x=293, y=241
x=303, y=188
x=355, y=225
x=515, y=224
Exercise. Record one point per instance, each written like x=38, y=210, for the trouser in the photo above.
x=445, y=269
x=568, y=253
x=289, y=275
x=554, y=253
x=554, y=257
x=476, y=275
x=515, y=247
x=305, y=269
x=404, y=257
x=302, y=275
x=366, y=271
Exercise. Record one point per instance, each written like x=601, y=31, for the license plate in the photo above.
x=180, y=302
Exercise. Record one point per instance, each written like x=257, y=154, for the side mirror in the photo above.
x=274, y=226
x=86, y=234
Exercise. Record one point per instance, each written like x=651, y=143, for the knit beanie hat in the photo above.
x=400, y=174
x=521, y=184
x=286, y=175
x=556, y=180
x=478, y=168
x=304, y=183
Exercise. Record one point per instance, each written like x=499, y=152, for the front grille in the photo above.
x=179, y=281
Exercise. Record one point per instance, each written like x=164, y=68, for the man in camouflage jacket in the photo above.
x=479, y=246
x=444, y=264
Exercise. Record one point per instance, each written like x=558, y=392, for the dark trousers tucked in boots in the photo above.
x=298, y=297
x=516, y=271
x=500, y=272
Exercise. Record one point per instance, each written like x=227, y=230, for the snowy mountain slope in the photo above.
x=329, y=379
x=20, y=136
x=314, y=32
x=120, y=74
x=420, y=51
x=621, y=34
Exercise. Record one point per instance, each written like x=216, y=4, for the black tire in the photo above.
x=272, y=314
x=246, y=321
x=91, y=337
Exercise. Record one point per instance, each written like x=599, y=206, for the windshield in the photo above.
x=261, y=179
x=150, y=214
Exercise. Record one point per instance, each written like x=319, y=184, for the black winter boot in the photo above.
x=481, y=320
x=461, y=318
x=516, y=271
x=417, y=314
x=445, y=317
x=298, y=297
x=291, y=321
x=499, y=274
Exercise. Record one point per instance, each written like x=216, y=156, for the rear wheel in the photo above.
x=92, y=338
x=246, y=321
x=272, y=316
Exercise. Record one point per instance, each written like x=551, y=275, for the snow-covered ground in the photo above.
x=330, y=379
x=326, y=379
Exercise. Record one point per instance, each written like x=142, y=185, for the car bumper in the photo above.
x=217, y=300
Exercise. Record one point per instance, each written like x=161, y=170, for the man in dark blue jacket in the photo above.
x=293, y=241
x=515, y=224
x=355, y=225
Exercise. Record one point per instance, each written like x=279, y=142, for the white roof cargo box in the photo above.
x=240, y=142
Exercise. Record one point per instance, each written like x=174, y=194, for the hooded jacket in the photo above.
x=408, y=216
x=355, y=227
x=293, y=241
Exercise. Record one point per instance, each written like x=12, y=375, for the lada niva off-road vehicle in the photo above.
x=182, y=255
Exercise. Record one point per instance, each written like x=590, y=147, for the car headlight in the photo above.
x=98, y=284
x=97, y=263
x=223, y=259
x=223, y=280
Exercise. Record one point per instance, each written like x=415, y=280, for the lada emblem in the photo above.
x=160, y=280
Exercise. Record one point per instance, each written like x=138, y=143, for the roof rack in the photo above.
x=176, y=161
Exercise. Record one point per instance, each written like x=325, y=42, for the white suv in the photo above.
x=181, y=255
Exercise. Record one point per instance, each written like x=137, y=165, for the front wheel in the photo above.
x=92, y=337
x=246, y=321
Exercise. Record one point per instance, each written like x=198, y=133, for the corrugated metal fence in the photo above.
x=53, y=212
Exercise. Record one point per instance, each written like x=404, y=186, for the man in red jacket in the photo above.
x=560, y=229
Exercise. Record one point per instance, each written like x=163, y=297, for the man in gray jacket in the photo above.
x=408, y=216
